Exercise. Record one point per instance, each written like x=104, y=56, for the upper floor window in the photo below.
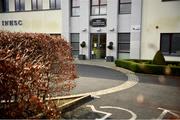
x=98, y=7
x=170, y=43
x=124, y=6
x=19, y=5
x=36, y=4
x=4, y=6
x=55, y=4
x=75, y=8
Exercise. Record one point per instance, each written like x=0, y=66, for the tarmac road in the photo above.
x=153, y=97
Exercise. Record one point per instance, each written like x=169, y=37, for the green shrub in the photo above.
x=159, y=58
x=174, y=70
x=143, y=67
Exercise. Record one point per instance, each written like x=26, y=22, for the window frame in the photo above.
x=37, y=5
x=21, y=5
x=71, y=34
x=123, y=42
x=99, y=6
x=72, y=15
x=50, y=5
x=169, y=53
x=124, y=4
x=5, y=6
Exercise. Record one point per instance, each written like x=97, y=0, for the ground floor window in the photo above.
x=55, y=35
x=170, y=43
x=123, y=45
x=75, y=44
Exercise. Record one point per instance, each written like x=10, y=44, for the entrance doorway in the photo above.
x=98, y=46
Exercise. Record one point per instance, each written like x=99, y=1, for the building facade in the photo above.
x=136, y=28
x=161, y=29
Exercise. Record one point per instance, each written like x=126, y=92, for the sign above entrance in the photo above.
x=98, y=22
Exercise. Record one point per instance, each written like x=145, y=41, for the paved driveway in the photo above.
x=151, y=98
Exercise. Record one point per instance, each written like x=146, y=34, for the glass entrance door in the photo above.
x=98, y=46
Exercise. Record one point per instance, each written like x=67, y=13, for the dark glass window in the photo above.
x=19, y=5
x=75, y=8
x=124, y=6
x=98, y=7
x=75, y=44
x=170, y=43
x=123, y=42
x=36, y=4
x=4, y=6
x=55, y=4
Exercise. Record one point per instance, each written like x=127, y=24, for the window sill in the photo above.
x=99, y=15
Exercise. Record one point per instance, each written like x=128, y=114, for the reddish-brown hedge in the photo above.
x=33, y=67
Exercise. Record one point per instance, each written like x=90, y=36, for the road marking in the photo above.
x=165, y=111
x=97, y=111
x=134, y=116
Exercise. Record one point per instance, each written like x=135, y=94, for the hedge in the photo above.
x=144, y=66
x=33, y=67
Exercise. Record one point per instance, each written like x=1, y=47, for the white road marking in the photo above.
x=134, y=116
x=97, y=111
x=165, y=111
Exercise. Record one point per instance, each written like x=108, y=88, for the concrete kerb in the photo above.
x=132, y=78
x=103, y=63
x=80, y=98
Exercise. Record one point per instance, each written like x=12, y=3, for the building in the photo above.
x=161, y=29
x=136, y=28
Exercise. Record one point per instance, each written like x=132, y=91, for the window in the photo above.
x=55, y=4
x=75, y=8
x=55, y=35
x=124, y=42
x=124, y=6
x=4, y=6
x=75, y=43
x=98, y=7
x=36, y=4
x=170, y=43
x=19, y=5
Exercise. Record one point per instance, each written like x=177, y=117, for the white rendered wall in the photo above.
x=124, y=22
x=47, y=21
x=136, y=16
x=39, y=21
x=166, y=16
x=112, y=23
x=65, y=19
x=84, y=27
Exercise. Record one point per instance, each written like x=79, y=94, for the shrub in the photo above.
x=159, y=58
x=110, y=46
x=32, y=68
x=83, y=44
x=143, y=67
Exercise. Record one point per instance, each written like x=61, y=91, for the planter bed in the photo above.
x=146, y=66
